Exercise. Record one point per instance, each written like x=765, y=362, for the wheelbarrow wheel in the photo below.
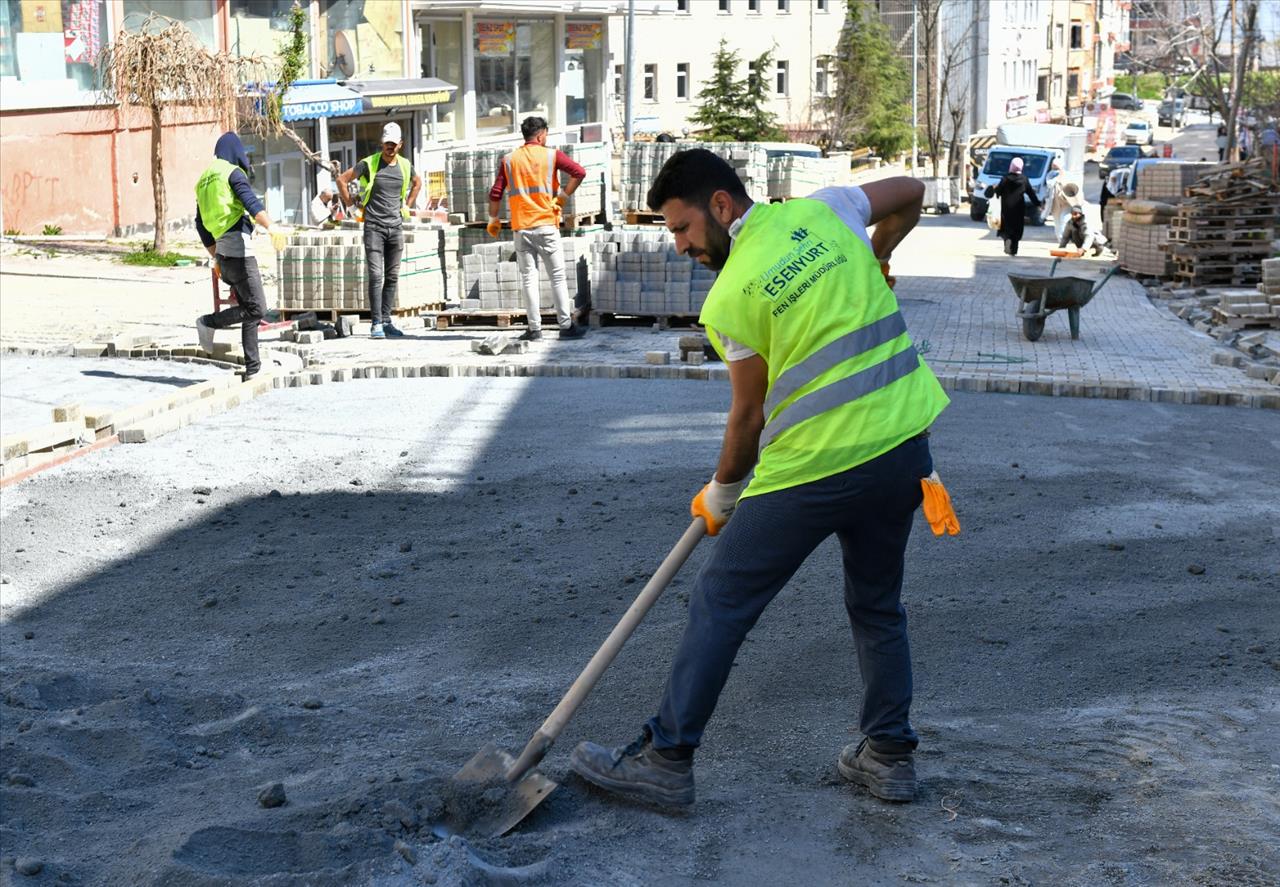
x=1032, y=327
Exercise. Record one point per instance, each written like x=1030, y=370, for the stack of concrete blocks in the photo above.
x=326, y=271
x=641, y=162
x=1141, y=246
x=797, y=176
x=1270, y=286
x=639, y=272
x=471, y=174
x=490, y=278
x=588, y=199
x=1167, y=182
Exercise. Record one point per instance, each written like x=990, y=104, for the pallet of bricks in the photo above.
x=638, y=273
x=1144, y=227
x=1238, y=309
x=1223, y=229
x=471, y=174
x=490, y=281
x=641, y=162
x=324, y=271
x=798, y=176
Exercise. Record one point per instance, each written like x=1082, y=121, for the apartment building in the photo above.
x=674, y=54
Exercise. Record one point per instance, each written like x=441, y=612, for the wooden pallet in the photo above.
x=330, y=315
x=1244, y=321
x=663, y=321
x=638, y=217
x=567, y=223
x=499, y=318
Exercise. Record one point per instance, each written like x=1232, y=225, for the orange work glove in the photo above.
x=494, y=227
x=937, y=506
x=715, y=504
x=561, y=199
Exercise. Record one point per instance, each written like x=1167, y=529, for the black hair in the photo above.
x=532, y=126
x=693, y=176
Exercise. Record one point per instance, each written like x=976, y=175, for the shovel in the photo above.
x=494, y=791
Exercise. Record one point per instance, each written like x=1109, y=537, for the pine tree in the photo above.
x=722, y=98
x=759, y=124
x=871, y=103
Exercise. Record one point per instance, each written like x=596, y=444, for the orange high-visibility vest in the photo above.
x=531, y=186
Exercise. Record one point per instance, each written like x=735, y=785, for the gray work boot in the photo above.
x=636, y=771
x=888, y=777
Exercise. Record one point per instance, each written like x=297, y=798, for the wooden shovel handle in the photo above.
x=549, y=732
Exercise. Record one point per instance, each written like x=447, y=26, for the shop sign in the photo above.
x=1015, y=107
x=495, y=39
x=324, y=108
x=408, y=99
x=583, y=35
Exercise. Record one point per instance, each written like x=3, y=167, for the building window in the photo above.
x=783, y=84
x=256, y=27
x=442, y=46
x=682, y=5
x=784, y=6
x=1073, y=82
x=823, y=76
x=617, y=79
x=55, y=44
x=360, y=41
x=1042, y=88
x=197, y=15
x=583, y=70
x=1057, y=86
x=1058, y=30
x=822, y=5
x=1077, y=35
x=682, y=80
x=753, y=5
x=753, y=75
x=724, y=5
x=651, y=83
x=514, y=72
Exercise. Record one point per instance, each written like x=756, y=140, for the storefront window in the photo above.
x=535, y=68
x=258, y=27
x=442, y=58
x=52, y=40
x=583, y=71
x=362, y=39
x=197, y=15
x=515, y=73
x=281, y=174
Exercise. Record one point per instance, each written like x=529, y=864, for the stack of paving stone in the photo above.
x=641, y=162
x=1223, y=229
x=1270, y=286
x=325, y=270
x=490, y=278
x=471, y=174
x=638, y=272
x=1143, y=234
x=797, y=176
x=588, y=199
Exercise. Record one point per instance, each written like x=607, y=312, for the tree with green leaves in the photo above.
x=722, y=97
x=758, y=123
x=871, y=103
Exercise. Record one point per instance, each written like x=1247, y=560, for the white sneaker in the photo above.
x=204, y=333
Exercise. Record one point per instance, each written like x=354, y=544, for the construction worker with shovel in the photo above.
x=831, y=408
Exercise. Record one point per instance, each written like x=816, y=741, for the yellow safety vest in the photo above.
x=219, y=206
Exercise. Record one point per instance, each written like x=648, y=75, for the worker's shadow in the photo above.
x=175, y=381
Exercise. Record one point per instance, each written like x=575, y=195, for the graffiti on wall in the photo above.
x=30, y=199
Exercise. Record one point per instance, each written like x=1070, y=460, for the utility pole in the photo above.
x=915, y=89
x=630, y=66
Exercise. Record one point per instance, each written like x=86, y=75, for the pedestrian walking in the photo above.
x=1221, y=142
x=831, y=406
x=1063, y=197
x=225, y=202
x=531, y=172
x=1015, y=192
x=389, y=185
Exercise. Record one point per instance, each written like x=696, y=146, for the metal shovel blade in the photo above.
x=480, y=800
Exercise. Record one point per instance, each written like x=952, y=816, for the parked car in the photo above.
x=1172, y=113
x=1123, y=101
x=1139, y=132
x=1117, y=158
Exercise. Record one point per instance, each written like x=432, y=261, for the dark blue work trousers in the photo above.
x=870, y=510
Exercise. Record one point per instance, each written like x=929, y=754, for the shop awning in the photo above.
x=418, y=92
x=307, y=101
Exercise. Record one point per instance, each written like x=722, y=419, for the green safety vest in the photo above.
x=366, y=185
x=845, y=383
x=219, y=206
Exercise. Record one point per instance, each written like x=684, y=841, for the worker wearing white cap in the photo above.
x=389, y=185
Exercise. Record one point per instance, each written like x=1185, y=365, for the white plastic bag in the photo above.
x=993, y=215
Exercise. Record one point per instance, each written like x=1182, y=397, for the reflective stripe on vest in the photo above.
x=219, y=207
x=531, y=185
x=372, y=162
x=845, y=384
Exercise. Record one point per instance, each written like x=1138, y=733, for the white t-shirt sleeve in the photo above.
x=851, y=206
x=734, y=351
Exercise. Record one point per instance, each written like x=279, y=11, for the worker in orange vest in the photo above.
x=530, y=172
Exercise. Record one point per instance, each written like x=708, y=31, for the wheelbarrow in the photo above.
x=1038, y=297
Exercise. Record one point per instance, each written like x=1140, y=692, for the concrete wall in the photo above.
x=72, y=168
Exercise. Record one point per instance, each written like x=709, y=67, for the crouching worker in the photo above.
x=224, y=203
x=1078, y=232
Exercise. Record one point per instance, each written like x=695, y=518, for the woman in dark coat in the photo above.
x=1011, y=190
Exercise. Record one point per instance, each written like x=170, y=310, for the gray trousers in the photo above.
x=382, y=250
x=535, y=246
x=241, y=274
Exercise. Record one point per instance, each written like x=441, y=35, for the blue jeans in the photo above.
x=870, y=510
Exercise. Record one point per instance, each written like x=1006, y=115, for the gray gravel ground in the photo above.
x=33, y=386
x=443, y=555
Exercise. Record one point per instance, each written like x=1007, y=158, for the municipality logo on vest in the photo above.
x=799, y=234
